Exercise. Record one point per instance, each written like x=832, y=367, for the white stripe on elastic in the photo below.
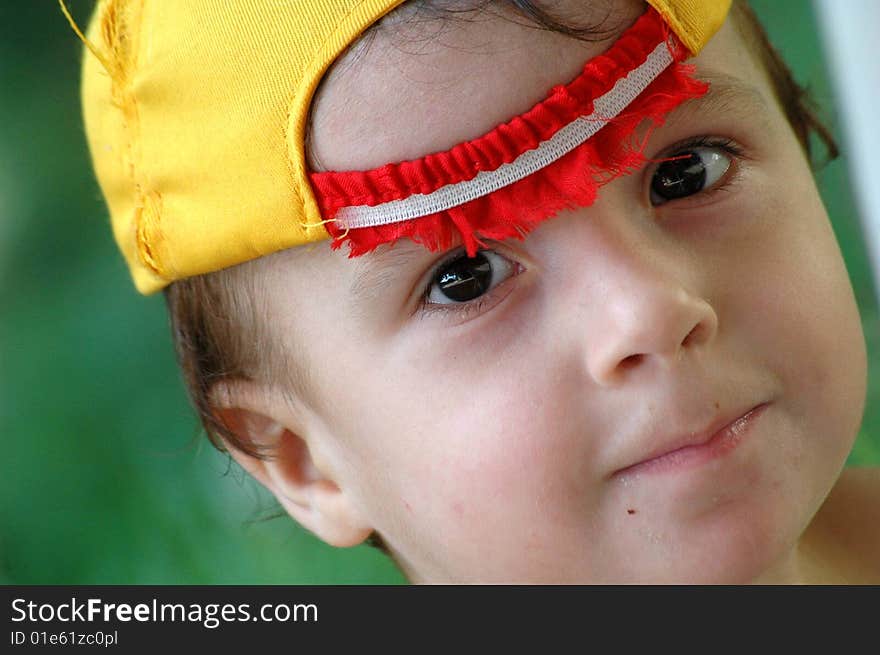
x=566, y=139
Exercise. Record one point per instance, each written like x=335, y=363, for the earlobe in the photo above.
x=303, y=484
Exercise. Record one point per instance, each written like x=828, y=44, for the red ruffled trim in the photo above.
x=571, y=181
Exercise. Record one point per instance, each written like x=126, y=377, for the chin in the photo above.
x=748, y=553
x=742, y=543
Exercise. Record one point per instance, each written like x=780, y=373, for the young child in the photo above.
x=588, y=322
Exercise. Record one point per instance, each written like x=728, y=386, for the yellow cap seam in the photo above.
x=308, y=85
x=298, y=168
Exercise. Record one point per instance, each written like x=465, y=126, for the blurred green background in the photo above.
x=105, y=476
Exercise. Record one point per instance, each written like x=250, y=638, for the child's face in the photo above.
x=495, y=441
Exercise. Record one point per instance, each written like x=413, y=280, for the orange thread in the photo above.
x=82, y=37
x=318, y=224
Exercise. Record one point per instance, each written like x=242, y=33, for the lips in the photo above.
x=678, y=449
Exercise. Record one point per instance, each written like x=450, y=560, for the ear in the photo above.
x=293, y=465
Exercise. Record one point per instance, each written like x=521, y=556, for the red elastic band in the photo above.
x=512, y=211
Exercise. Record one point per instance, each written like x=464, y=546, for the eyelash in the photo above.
x=722, y=143
x=461, y=311
x=727, y=145
x=464, y=311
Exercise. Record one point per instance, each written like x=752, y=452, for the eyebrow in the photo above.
x=374, y=272
x=728, y=95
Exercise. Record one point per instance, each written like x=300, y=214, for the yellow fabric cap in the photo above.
x=195, y=112
x=693, y=21
x=195, y=120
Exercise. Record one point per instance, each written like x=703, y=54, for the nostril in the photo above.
x=662, y=329
x=693, y=336
x=631, y=361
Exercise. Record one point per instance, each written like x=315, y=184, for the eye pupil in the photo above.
x=465, y=278
x=683, y=176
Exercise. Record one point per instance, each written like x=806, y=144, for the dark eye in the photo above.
x=688, y=172
x=465, y=278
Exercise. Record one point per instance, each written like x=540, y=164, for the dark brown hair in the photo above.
x=795, y=100
x=215, y=318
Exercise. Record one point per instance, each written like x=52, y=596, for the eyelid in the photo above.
x=734, y=149
x=463, y=312
x=447, y=258
x=702, y=141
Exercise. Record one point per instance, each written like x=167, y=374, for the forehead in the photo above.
x=424, y=83
x=424, y=86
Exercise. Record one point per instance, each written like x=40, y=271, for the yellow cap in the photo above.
x=693, y=21
x=195, y=112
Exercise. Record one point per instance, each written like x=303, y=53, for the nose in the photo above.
x=649, y=318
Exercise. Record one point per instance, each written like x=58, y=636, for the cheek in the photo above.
x=482, y=428
x=481, y=454
x=796, y=308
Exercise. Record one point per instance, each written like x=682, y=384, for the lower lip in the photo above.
x=720, y=444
